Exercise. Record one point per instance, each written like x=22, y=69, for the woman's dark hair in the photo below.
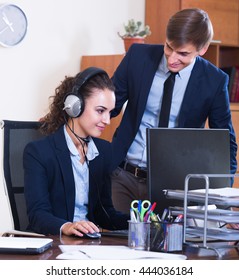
x=190, y=26
x=57, y=116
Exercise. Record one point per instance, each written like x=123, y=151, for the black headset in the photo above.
x=74, y=103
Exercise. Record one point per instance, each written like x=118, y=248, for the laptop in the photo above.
x=24, y=245
x=173, y=153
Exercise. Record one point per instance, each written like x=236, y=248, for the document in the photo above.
x=223, y=192
x=217, y=215
x=108, y=252
x=19, y=233
x=223, y=234
x=220, y=196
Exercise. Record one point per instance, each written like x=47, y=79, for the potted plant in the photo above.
x=134, y=33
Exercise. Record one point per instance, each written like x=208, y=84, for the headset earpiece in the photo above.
x=74, y=103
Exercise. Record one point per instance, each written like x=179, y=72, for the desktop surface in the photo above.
x=52, y=253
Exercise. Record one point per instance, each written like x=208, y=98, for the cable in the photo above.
x=84, y=142
x=98, y=193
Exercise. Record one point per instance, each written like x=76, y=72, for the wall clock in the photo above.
x=13, y=25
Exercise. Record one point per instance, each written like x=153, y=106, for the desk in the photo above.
x=52, y=253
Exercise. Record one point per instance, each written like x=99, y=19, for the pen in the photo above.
x=151, y=209
x=179, y=218
x=154, y=218
x=84, y=254
x=132, y=216
x=158, y=218
x=164, y=214
x=139, y=206
x=158, y=228
x=169, y=217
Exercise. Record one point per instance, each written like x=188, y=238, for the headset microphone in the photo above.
x=86, y=140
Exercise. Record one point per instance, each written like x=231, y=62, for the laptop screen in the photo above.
x=173, y=153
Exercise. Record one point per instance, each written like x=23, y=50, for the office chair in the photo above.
x=16, y=134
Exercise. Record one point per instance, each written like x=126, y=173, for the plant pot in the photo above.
x=128, y=41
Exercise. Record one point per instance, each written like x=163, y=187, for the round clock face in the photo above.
x=13, y=25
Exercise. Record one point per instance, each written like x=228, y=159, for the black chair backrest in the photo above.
x=16, y=134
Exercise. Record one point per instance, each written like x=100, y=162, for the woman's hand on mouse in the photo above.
x=79, y=228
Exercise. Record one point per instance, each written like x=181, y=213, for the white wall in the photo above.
x=59, y=33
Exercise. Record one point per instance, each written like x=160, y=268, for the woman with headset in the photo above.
x=67, y=173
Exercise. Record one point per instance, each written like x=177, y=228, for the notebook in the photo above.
x=173, y=153
x=24, y=245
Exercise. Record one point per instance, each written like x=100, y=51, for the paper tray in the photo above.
x=200, y=197
x=214, y=233
x=218, y=215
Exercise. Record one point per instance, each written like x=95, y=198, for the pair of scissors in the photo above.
x=140, y=208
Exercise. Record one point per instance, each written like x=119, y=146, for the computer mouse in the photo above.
x=92, y=235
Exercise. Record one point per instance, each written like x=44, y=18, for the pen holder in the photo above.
x=139, y=235
x=166, y=236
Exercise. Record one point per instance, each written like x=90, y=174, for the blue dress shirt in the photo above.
x=137, y=151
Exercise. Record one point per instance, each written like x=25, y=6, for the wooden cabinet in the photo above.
x=223, y=14
x=224, y=52
x=222, y=55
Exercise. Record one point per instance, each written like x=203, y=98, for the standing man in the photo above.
x=200, y=92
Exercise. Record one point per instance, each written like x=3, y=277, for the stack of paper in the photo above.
x=108, y=252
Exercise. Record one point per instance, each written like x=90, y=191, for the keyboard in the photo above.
x=118, y=233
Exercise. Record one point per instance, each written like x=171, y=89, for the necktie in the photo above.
x=167, y=99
